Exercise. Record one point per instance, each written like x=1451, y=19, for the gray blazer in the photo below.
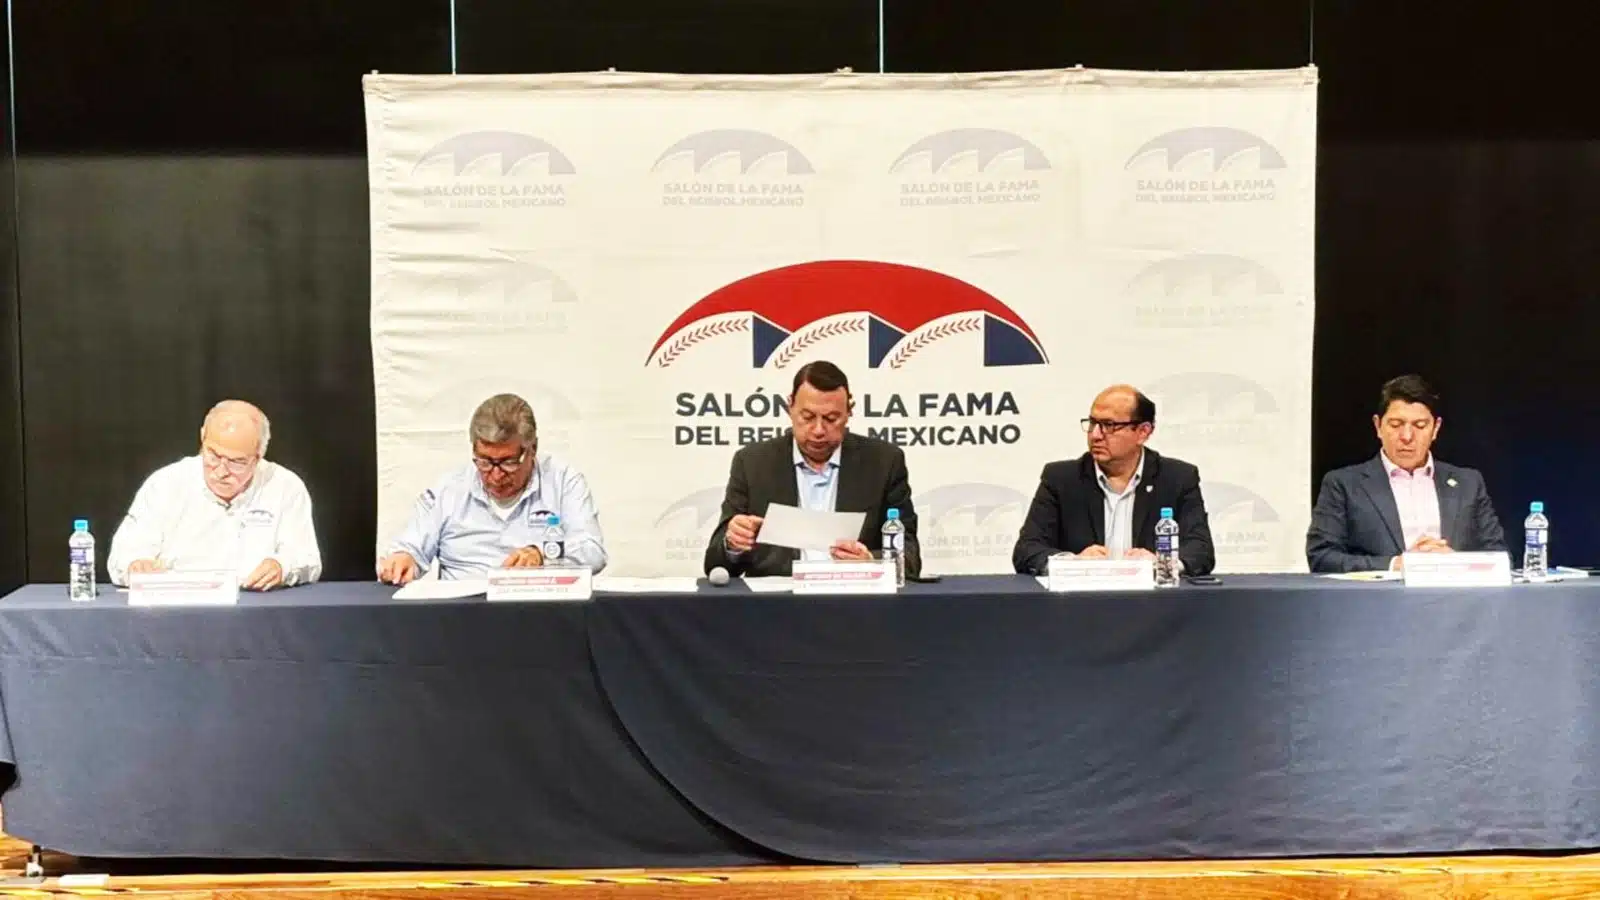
x=1355, y=526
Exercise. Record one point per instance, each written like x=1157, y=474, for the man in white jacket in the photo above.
x=226, y=508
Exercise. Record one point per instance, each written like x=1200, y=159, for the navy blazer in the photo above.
x=1355, y=526
x=1069, y=513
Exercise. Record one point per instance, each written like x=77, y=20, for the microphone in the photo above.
x=718, y=577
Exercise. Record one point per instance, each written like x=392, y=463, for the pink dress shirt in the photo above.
x=1417, y=498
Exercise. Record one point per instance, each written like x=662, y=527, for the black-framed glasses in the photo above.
x=507, y=464
x=1107, y=426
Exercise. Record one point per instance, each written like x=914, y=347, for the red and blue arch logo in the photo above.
x=900, y=309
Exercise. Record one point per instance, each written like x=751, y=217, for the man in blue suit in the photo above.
x=1403, y=500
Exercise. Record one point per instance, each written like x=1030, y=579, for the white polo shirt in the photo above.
x=177, y=521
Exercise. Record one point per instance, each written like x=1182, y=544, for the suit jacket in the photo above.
x=1355, y=526
x=872, y=479
x=1069, y=513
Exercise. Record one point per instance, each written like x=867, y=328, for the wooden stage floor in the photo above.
x=1527, y=878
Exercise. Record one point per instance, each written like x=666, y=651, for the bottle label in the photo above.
x=894, y=542
x=552, y=550
x=1166, y=543
x=80, y=556
x=1537, y=537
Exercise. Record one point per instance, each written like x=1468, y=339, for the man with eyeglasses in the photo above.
x=1403, y=500
x=818, y=465
x=492, y=512
x=227, y=508
x=1103, y=505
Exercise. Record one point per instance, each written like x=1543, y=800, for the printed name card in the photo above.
x=1071, y=574
x=208, y=588
x=547, y=583
x=839, y=576
x=1457, y=569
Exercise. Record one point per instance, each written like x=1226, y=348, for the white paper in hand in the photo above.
x=804, y=529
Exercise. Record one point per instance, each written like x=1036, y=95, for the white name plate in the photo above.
x=838, y=576
x=208, y=588
x=1070, y=574
x=546, y=583
x=1457, y=569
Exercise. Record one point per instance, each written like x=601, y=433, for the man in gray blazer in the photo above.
x=818, y=466
x=1402, y=501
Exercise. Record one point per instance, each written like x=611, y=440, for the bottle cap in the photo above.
x=1166, y=512
x=1536, y=506
x=553, y=520
x=893, y=513
x=80, y=524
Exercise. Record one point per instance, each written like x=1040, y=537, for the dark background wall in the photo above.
x=191, y=215
x=13, y=538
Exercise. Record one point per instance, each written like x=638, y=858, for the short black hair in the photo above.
x=1144, y=409
x=822, y=375
x=1408, y=389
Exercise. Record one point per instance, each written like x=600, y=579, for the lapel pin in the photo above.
x=1148, y=488
x=1450, y=481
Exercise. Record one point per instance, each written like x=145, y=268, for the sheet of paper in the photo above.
x=774, y=584
x=804, y=529
x=1379, y=575
x=1556, y=573
x=616, y=584
x=436, y=589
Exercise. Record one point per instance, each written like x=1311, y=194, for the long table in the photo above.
x=977, y=719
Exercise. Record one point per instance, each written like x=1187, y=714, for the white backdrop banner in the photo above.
x=649, y=258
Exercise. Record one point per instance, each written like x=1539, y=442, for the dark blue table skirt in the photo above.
x=977, y=719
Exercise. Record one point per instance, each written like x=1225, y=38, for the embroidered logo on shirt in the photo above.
x=258, y=517
x=539, y=517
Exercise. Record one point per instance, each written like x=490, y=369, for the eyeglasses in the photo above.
x=507, y=465
x=1107, y=426
x=234, y=466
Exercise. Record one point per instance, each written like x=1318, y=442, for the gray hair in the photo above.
x=235, y=407
x=501, y=418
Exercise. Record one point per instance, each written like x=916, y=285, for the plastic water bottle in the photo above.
x=1166, y=549
x=1536, y=543
x=894, y=545
x=554, y=546
x=80, y=549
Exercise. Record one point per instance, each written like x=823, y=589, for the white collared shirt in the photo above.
x=178, y=522
x=1119, y=510
x=1416, y=498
